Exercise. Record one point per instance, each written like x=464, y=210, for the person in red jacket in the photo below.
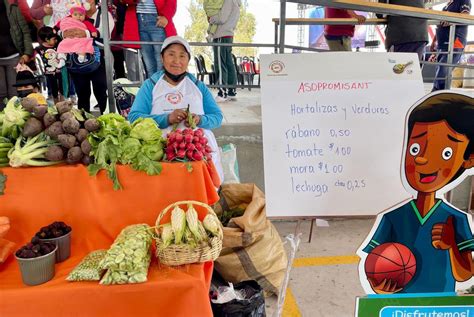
x=149, y=20
x=339, y=37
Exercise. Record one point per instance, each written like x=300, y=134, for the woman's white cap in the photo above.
x=176, y=40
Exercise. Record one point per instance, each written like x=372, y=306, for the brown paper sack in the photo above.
x=252, y=248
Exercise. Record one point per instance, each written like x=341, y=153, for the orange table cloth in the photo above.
x=35, y=197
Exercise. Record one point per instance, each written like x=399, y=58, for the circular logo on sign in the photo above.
x=174, y=98
x=277, y=67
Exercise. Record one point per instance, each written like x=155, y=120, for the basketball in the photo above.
x=392, y=261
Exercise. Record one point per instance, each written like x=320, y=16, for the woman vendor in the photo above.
x=165, y=97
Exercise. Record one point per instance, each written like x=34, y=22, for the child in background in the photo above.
x=212, y=7
x=52, y=60
x=77, y=20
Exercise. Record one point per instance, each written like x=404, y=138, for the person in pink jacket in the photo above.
x=149, y=20
x=77, y=20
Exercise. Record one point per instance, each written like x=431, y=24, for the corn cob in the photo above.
x=211, y=225
x=178, y=224
x=167, y=235
x=202, y=231
x=192, y=221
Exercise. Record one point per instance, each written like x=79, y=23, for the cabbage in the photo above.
x=146, y=129
x=130, y=148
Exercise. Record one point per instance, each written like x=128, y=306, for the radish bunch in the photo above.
x=187, y=145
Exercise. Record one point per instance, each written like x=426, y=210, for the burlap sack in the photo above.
x=252, y=248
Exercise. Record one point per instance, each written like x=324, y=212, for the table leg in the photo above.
x=311, y=230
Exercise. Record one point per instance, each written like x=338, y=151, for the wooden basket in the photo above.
x=180, y=254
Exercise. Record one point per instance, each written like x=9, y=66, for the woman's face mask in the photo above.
x=24, y=93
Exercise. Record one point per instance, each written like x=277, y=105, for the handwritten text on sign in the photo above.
x=332, y=146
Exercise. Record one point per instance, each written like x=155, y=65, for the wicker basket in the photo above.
x=180, y=254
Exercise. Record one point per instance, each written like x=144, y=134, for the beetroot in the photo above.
x=49, y=119
x=55, y=153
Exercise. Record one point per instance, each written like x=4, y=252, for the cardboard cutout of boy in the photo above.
x=438, y=155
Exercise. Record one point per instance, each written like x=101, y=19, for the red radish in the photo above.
x=188, y=138
x=196, y=139
x=197, y=156
x=178, y=131
x=170, y=156
x=199, y=133
x=179, y=138
x=182, y=145
x=190, y=147
x=189, y=154
x=181, y=153
x=198, y=146
x=208, y=149
x=174, y=145
x=203, y=140
x=188, y=131
x=170, y=149
x=208, y=157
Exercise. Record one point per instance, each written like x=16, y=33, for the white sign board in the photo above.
x=333, y=128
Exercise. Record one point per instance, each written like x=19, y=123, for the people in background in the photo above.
x=41, y=9
x=52, y=60
x=15, y=41
x=98, y=79
x=32, y=23
x=149, y=20
x=118, y=12
x=80, y=45
x=406, y=34
x=212, y=7
x=50, y=12
x=339, y=37
x=26, y=83
x=167, y=95
x=441, y=41
x=226, y=21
